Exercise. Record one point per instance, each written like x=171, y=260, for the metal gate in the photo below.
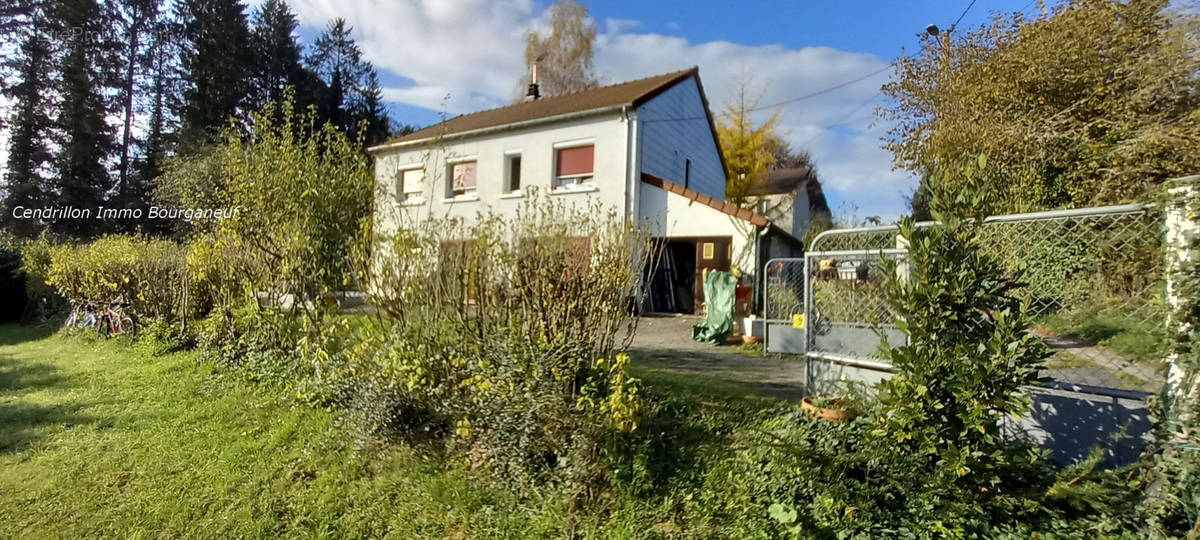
x=1094, y=280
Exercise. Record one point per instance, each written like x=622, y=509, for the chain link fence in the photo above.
x=1093, y=278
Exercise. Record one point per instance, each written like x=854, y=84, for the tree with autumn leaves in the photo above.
x=753, y=149
x=1091, y=102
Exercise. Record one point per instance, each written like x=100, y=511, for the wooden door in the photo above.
x=712, y=253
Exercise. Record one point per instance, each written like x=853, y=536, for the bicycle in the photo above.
x=82, y=316
x=115, y=322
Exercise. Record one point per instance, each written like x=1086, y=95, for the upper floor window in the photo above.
x=512, y=173
x=462, y=178
x=573, y=166
x=411, y=184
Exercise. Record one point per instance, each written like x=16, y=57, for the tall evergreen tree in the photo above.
x=217, y=62
x=353, y=94
x=277, y=56
x=134, y=20
x=28, y=151
x=159, y=94
x=86, y=139
x=369, y=107
x=164, y=90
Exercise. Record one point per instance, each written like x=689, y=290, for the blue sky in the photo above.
x=453, y=56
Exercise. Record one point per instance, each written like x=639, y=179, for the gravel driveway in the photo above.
x=665, y=342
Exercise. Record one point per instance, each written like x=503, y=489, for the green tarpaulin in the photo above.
x=719, y=289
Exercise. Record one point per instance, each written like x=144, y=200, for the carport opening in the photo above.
x=672, y=289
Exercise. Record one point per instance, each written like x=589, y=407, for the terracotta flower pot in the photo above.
x=837, y=414
x=747, y=338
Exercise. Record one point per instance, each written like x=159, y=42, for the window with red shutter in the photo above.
x=573, y=167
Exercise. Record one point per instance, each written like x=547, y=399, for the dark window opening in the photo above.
x=514, y=174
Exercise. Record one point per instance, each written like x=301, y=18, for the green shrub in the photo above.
x=502, y=333
x=969, y=353
x=147, y=274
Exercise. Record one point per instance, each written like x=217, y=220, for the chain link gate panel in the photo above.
x=783, y=301
x=1093, y=278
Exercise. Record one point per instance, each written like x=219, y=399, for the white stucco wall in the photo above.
x=670, y=214
x=536, y=144
x=675, y=129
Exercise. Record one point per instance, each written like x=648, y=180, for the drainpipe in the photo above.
x=759, y=279
x=634, y=166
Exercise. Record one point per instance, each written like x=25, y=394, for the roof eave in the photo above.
x=503, y=127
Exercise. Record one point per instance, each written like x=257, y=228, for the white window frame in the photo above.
x=578, y=182
x=409, y=198
x=506, y=189
x=470, y=195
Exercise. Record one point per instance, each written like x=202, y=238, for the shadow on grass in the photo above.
x=13, y=334
x=15, y=375
x=23, y=424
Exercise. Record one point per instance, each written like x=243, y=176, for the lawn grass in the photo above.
x=1142, y=340
x=107, y=439
x=100, y=439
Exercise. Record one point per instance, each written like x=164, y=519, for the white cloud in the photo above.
x=849, y=160
x=620, y=26
x=472, y=51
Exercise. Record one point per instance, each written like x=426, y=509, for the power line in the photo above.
x=786, y=101
x=964, y=14
x=825, y=129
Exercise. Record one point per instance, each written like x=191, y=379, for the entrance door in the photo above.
x=712, y=253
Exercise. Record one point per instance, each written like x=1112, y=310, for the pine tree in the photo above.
x=353, y=94
x=163, y=96
x=217, y=62
x=134, y=19
x=277, y=57
x=28, y=151
x=159, y=95
x=371, y=109
x=86, y=139
x=337, y=60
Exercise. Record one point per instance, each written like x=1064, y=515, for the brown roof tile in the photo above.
x=744, y=214
x=632, y=92
x=780, y=181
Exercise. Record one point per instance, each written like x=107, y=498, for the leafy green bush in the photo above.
x=502, y=332
x=303, y=194
x=928, y=458
x=147, y=274
x=969, y=352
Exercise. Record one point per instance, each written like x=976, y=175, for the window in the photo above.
x=411, y=184
x=462, y=179
x=573, y=167
x=512, y=173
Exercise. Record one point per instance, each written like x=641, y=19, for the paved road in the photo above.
x=666, y=343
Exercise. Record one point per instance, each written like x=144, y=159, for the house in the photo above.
x=782, y=196
x=647, y=147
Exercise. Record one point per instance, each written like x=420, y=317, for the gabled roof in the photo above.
x=743, y=214
x=780, y=181
x=632, y=93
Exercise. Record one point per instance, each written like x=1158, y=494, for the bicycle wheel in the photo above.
x=128, y=327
